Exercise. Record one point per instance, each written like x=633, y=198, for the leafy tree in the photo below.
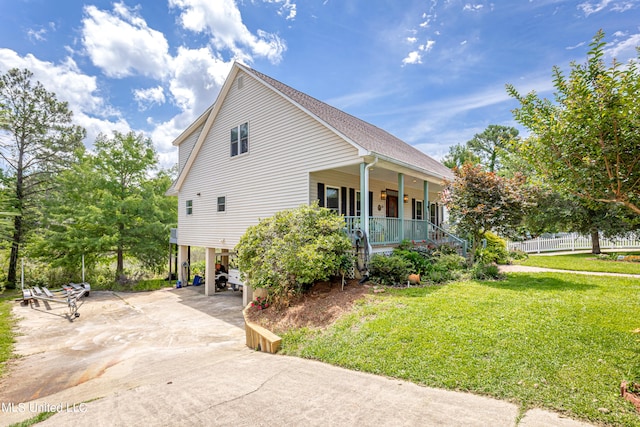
x=587, y=143
x=458, y=155
x=293, y=249
x=37, y=141
x=120, y=210
x=491, y=144
x=480, y=201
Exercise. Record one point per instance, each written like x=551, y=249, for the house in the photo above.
x=263, y=147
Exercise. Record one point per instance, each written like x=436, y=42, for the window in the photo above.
x=189, y=207
x=240, y=139
x=333, y=199
x=222, y=203
x=358, y=204
x=419, y=210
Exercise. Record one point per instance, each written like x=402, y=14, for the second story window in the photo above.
x=189, y=207
x=240, y=139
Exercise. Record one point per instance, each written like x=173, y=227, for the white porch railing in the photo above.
x=386, y=231
x=573, y=242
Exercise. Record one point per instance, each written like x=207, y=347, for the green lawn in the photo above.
x=548, y=340
x=583, y=262
x=6, y=332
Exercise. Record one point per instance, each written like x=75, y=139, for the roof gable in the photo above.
x=369, y=139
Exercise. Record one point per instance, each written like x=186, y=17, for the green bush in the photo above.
x=293, y=249
x=389, y=270
x=518, y=255
x=485, y=272
x=419, y=261
x=495, y=250
x=446, y=268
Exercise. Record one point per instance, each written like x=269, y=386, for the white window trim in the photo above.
x=420, y=211
x=226, y=204
x=240, y=141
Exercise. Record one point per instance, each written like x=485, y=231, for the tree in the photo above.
x=458, y=155
x=480, y=201
x=563, y=212
x=491, y=144
x=37, y=141
x=587, y=143
x=119, y=211
x=292, y=249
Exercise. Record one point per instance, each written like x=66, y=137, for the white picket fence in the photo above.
x=573, y=242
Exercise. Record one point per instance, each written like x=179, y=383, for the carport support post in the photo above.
x=183, y=256
x=210, y=271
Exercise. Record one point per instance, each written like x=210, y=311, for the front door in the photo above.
x=392, y=205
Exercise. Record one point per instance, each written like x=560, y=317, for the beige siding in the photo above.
x=284, y=144
x=184, y=151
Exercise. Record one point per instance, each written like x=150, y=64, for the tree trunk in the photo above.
x=15, y=249
x=120, y=255
x=595, y=241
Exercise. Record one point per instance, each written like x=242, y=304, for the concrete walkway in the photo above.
x=176, y=357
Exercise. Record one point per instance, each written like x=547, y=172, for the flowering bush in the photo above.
x=260, y=303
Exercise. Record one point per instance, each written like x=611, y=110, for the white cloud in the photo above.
x=288, y=9
x=197, y=77
x=428, y=46
x=412, y=39
x=623, y=49
x=589, y=8
x=472, y=7
x=412, y=58
x=71, y=85
x=575, y=47
x=37, y=35
x=222, y=21
x=121, y=43
x=623, y=6
x=147, y=97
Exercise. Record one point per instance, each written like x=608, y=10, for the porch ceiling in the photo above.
x=388, y=172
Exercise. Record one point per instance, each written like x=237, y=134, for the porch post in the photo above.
x=183, y=257
x=427, y=209
x=364, y=198
x=401, y=205
x=210, y=271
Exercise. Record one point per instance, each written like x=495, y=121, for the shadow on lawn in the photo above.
x=542, y=282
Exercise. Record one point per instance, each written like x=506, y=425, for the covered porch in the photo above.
x=386, y=201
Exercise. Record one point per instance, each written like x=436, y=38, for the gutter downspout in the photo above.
x=366, y=199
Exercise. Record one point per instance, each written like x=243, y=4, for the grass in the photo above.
x=583, y=262
x=6, y=325
x=42, y=416
x=140, y=286
x=547, y=340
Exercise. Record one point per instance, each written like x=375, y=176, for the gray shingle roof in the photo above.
x=366, y=135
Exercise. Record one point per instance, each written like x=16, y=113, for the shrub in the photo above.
x=293, y=249
x=518, y=255
x=420, y=263
x=389, y=270
x=446, y=268
x=482, y=271
x=495, y=250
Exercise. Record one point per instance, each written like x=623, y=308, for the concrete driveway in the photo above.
x=175, y=357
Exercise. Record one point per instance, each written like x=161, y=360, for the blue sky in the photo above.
x=431, y=72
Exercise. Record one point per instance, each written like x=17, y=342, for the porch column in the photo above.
x=427, y=209
x=401, y=204
x=183, y=256
x=364, y=198
x=210, y=271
